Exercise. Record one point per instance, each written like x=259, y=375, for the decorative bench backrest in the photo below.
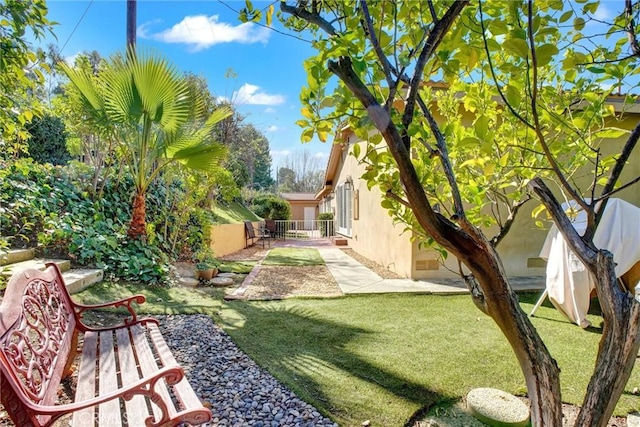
x=37, y=324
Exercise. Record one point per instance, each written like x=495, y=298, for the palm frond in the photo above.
x=163, y=91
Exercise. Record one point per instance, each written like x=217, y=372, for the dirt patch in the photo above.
x=277, y=282
x=252, y=253
x=371, y=265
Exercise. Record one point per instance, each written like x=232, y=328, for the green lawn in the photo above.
x=233, y=212
x=384, y=358
x=293, y=257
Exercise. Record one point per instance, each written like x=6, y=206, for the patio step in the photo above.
x=79, y=279
x=17, y=255
x=340, y=241
x=37, y=263
x=15, y=260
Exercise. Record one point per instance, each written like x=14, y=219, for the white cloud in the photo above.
x=320, y=155
x=201, y=32
x=71, y=59
x=602, y=13
x=273, y=128
x=269, y=110
x=283, y=153
x=252, y=95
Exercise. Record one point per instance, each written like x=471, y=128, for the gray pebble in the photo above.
x=239, y=391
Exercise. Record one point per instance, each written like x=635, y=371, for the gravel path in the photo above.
x=239, y=391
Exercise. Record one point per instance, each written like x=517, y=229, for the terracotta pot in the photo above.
x=206, y=274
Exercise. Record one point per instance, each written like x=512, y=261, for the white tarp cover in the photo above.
x=568, y=282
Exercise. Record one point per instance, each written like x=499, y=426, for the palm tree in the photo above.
x=149, y=108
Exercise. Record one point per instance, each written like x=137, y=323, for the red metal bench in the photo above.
x=126, y=375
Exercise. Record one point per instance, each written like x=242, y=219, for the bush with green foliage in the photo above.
x=271, y=206
x=53, y=206
x=326, y=227
x=48, y=140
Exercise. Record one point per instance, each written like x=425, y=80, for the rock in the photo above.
x=229, y=275
x=237, y=390
x=497, y=408
x=633, y=419
x=221, y=281
x=188, y=282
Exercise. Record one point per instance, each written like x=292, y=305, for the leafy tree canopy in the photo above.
x=21, y=69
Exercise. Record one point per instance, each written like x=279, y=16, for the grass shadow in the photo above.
x=304, y=346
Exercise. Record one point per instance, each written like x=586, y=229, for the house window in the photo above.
x=345, y=208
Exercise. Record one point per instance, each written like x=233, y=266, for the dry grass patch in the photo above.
x=277, y=282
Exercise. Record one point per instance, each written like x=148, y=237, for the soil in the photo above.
x=278, y=282
x=371, y=265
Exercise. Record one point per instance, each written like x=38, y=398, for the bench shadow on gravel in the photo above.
x=319, y=344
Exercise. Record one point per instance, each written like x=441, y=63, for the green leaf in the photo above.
x=386, y=204
x=513, y=96
x=612, y=132
x=518, y=47
x=545, y=54
x=597, y=70
x=481, y=126
x=565, y=16
x=356, y=150
x=578, y=24
x=307, y=135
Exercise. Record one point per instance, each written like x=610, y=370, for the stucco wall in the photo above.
x=521, y=247
x=373, y=233
x=227, y=238
x=297, y=209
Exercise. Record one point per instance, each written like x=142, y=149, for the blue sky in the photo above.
x=206, y=38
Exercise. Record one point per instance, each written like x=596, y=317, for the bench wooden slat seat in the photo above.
x=251, y=234
x=127, y=375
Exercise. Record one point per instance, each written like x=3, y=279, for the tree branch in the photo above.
x=493, y=72
x=311, y=17
x=621, y=161
x=629, y=28
x=536, y=119
x=386, y=66
x=504, y=229
x=617, y=190
x=583, y=249
x=440, y=28
x=393, y=196
x=437, y=226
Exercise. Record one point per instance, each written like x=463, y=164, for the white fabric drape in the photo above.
x=568, y=282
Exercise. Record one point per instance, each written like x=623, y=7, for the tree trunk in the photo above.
x=620, y=335
x=618, y=346
x=540, y=370
x=138, y=225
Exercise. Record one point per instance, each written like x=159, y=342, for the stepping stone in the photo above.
x=221, y=281
x=497, y=408
x=189, y=282
x=633, y=419
x=230, y=275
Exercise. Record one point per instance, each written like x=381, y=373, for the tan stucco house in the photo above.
x=370, y=231
x=304, y=206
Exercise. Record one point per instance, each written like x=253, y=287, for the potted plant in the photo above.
x=206, y=264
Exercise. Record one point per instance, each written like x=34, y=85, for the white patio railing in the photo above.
x=303, y=229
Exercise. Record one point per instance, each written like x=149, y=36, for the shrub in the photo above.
x=48, y=140
x=272, y=207
x=326, y=228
